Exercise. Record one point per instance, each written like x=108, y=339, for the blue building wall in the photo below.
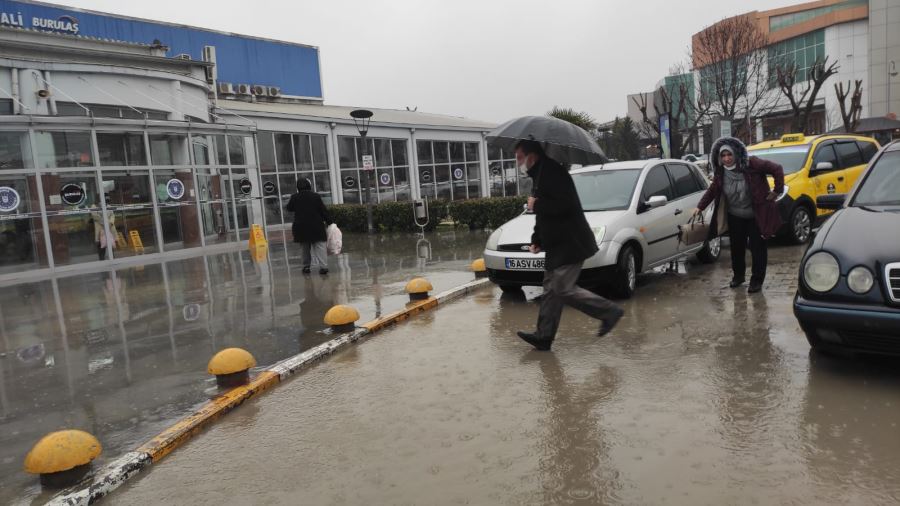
x=240, y=60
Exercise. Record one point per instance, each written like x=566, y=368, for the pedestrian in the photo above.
x=103, y=237
x=310, y=219
x=745, y=206
x=562, y=232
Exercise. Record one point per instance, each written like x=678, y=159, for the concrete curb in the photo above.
x=114, y=474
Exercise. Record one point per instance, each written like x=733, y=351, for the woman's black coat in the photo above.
x=310, y=216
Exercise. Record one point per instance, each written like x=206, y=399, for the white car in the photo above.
x=634, y=209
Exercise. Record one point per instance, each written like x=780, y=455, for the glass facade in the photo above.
x=73, y=196
x=449, y=170
x=387, y=183
x=787, y=20
x=504, y=177
x=803, y=53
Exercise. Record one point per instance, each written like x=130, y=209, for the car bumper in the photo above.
x=594, y=271
x=868, y=329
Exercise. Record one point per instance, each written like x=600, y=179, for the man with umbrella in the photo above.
x=561, y=230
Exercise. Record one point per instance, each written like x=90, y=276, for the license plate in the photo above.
x=525, y=264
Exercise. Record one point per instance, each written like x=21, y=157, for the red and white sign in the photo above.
x=368, y=162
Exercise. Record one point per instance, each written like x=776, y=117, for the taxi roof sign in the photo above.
x=793, y=138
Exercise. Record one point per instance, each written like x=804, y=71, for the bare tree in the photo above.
x=850, y=116
x=733, y=65
x=685, y=115
x=802, y=98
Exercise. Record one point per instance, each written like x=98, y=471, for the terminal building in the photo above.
x=122, y=137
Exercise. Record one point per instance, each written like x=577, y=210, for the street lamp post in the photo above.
x=361, y=118
x=892, y=72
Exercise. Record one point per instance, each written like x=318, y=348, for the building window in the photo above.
x=121, y=149
x=388, y=182
x=168, y=149
x=110, y=111
x=504, y=176
x=6, y=107
x=802, y=53
x=64, y=149
x=721, y=78
x=266, y=146
x=795, y=18
x=449, y=170
x=15, y=151
x=298, y=156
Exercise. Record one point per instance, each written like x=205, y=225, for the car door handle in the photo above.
x=678, y=211
x=841, y=178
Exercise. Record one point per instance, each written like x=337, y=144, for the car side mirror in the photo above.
x=834, y=201
x=656, y=201
x=824, y=166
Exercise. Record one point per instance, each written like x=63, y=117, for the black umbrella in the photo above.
x=562, y=141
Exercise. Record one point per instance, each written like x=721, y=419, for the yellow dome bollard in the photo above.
x=479, y=269
x=418, y=289
x=62, y=458
x=341, y=318
x=231, y=367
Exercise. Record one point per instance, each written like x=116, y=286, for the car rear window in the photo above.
x=849, y=154
x=868, y=150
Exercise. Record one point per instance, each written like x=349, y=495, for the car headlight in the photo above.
x=860, y=280
x=821, y=272
x=599, y=232
x=493, y=241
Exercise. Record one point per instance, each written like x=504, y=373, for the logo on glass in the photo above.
x=9, y=199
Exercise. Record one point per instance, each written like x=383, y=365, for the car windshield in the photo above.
x=790, y=158
x=606, y=190
x=882, y=184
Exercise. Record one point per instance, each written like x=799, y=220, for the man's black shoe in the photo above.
x=532, y=339
x=755, y=287
x=306, y=270
x=609, y=323
x=735, y=283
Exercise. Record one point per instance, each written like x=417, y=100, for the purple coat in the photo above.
x=755, y=169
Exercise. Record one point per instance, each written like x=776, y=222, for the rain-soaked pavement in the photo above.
x=123, y=353
x=702, y=395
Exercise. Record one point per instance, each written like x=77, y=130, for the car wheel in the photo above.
x=711, y=251
x=626, y=273
x=511, y=288
x=800, y=225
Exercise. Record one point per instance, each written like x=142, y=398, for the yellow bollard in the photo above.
x=231, y=367
x=479, y=269
x=418, y=289
x=341, y=318
x=62, y=458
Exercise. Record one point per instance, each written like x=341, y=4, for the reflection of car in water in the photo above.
x=814, y=166
x=634, y=209
x=849, y=294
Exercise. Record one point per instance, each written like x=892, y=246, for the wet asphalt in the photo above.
x=702, y=395
x=122, y=353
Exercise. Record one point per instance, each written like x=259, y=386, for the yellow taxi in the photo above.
x=813, y=166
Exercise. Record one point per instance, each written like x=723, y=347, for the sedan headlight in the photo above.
x=860, y=280
x=599, y=232
x=821, y=272
x=493, y=241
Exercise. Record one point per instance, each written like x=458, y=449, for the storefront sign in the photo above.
x=458, y=173
x=175, y=189
x=72, y=194
x=191, y=312
x=246, y=186
x=9, y=199
x=368, y=162
x=269, y=187
x=65, y=23
x=349, y=181
x=384, y=178
x=426, y=176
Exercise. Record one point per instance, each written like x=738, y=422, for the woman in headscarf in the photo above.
x=745, y=205
x=310, y=219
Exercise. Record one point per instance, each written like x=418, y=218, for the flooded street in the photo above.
x=702, y=395
x=123, y=353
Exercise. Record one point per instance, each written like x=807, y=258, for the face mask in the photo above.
x=523, y=167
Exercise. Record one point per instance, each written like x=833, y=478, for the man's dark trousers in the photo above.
x=560, y=289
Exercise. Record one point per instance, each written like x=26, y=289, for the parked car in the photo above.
x=634, y=209
x=849, y=292
x=814, y=166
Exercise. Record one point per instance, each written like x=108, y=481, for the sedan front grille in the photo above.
x=871, y=341
x=513, y=247
x=892, y=275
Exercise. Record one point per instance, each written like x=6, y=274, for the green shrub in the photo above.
x=486, y=212
x=386, y=216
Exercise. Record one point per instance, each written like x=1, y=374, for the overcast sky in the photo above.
x=483, y=59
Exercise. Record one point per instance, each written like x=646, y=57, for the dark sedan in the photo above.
x=849, y=294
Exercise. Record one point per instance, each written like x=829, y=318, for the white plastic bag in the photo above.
x=334, y=240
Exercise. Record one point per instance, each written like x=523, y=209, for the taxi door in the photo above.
x=826, y=174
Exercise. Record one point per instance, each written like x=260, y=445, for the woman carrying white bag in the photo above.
x=335, y=240
x=310, y=218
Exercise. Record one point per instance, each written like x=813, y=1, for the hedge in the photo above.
x=398, y=216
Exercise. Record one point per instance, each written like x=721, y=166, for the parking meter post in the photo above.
x=420, y=212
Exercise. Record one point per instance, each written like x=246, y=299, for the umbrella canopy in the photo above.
x=561, y=140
